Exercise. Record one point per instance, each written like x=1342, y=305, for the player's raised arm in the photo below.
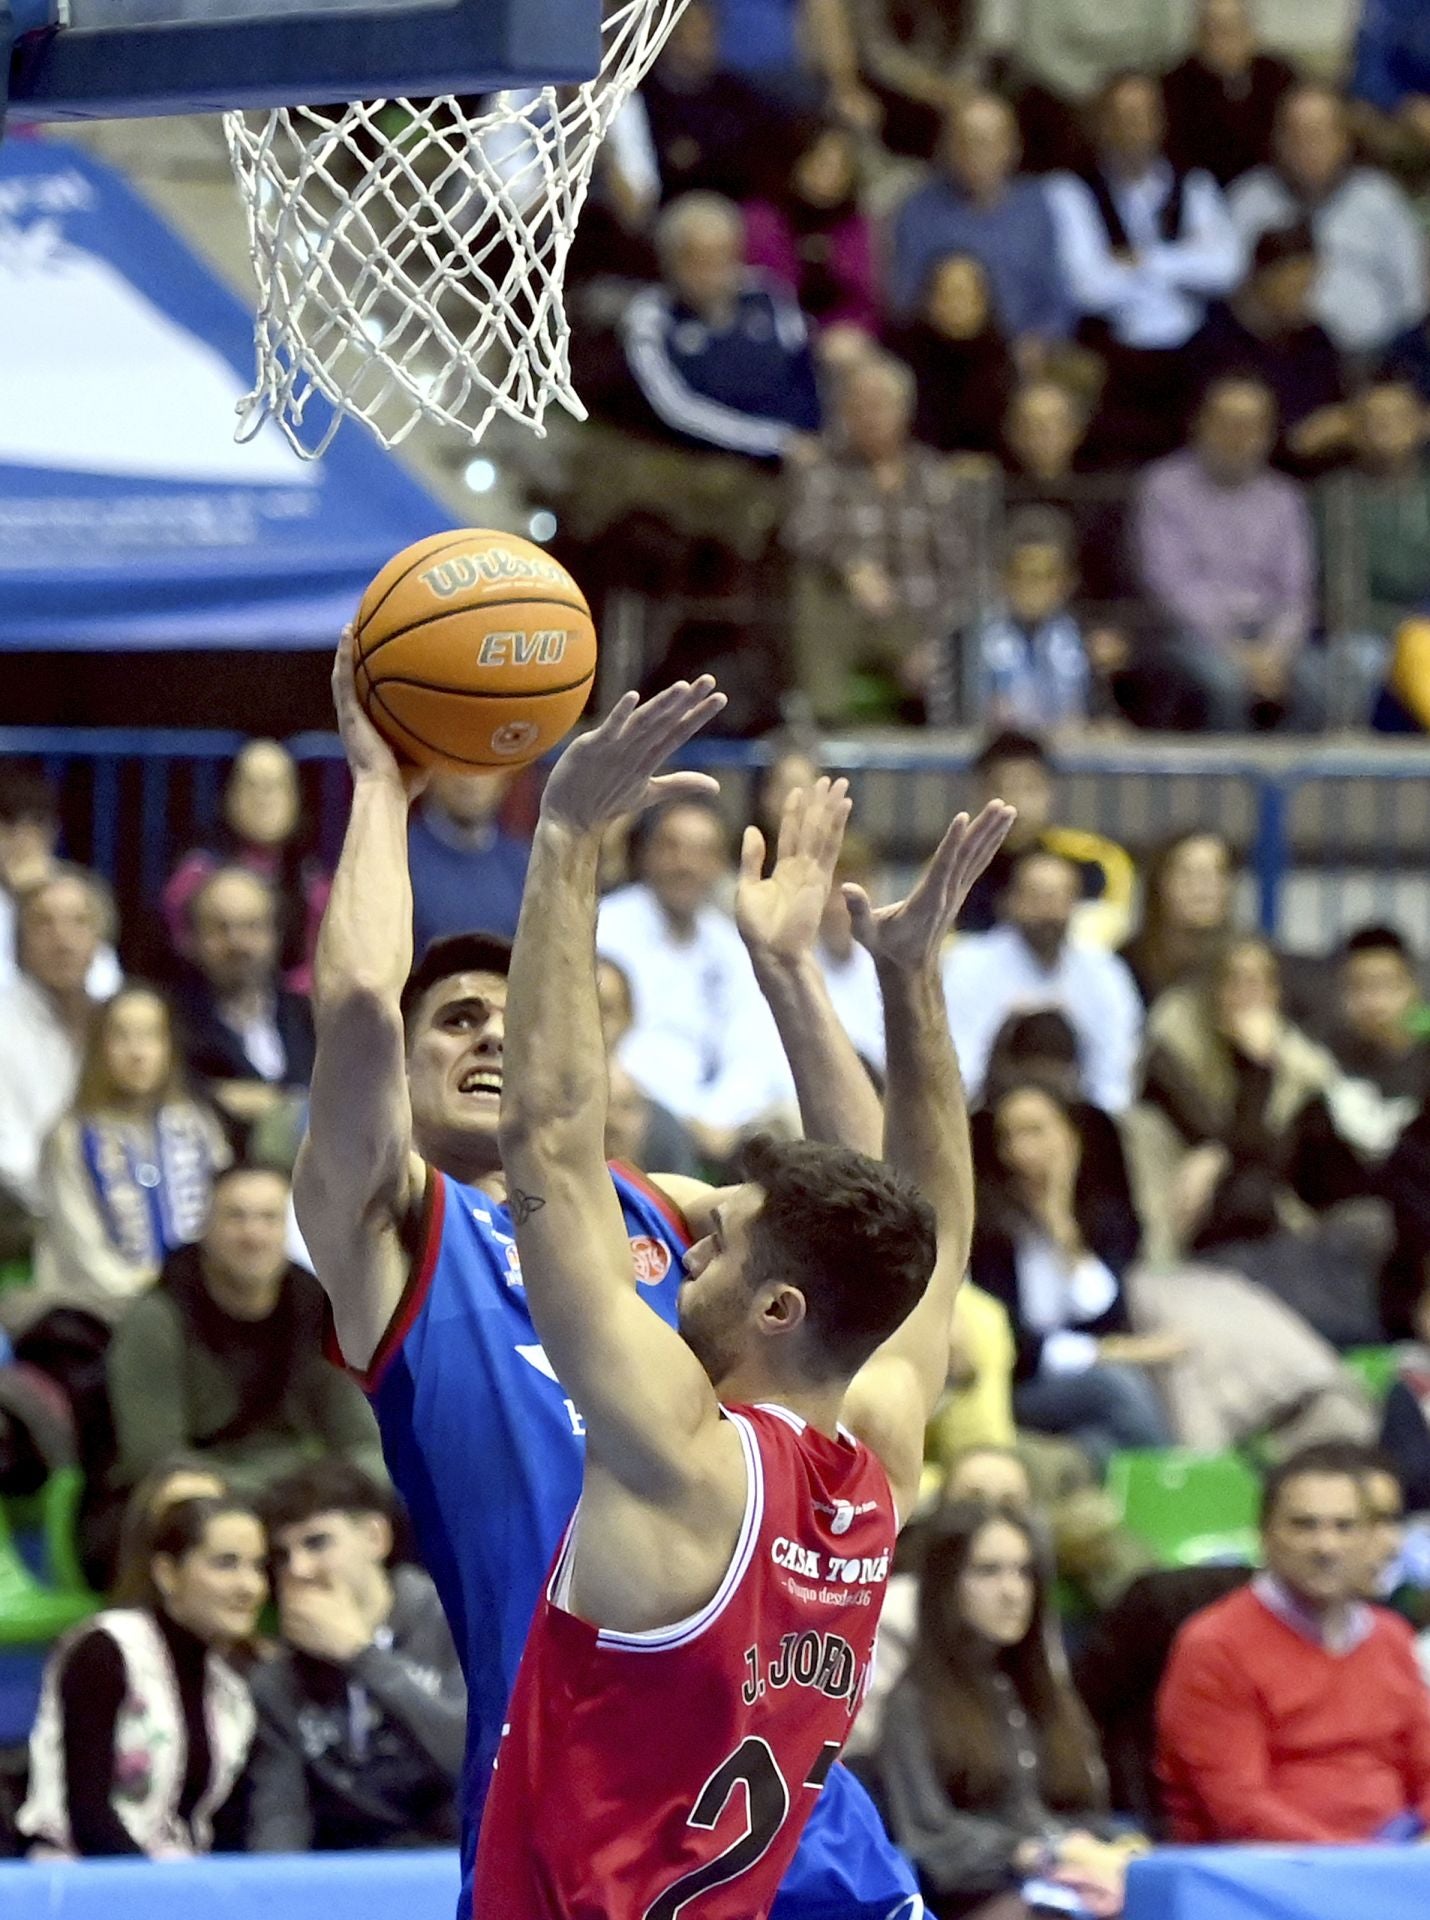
x=779, y=918
x=926, y=1136
x=639, y=1388
x=357, y=1181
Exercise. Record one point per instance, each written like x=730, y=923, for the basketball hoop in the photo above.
x=411, y=254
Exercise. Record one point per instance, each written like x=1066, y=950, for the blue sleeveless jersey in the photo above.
x=487, y=1452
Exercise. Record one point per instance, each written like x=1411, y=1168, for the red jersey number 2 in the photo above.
x=753, y=1766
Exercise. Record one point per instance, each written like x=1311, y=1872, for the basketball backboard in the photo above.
x=96, y=59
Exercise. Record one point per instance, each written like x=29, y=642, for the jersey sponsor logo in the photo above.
x=650, y=1258
x=843, y=1513
x=852, y=1570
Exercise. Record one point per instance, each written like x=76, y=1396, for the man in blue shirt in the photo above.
x=979, y=204
x=1391, y=77
x=467, y=871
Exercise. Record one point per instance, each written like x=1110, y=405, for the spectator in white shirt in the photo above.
x=1145, y=245
x=29, y=843
x=703, y=1043
x=1371, y=278
x=44, y=1019
x=1030, y=962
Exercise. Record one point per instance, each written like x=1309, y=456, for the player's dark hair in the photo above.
x=324, y=1486
x=25, y=793
x=1011, y=745
x=856, y=1240
x=445, y=958
x=1376, y=939
x=1327, y=1459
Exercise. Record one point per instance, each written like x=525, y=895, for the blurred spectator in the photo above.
x=638, y=1129
x=989, y=1769
x=1186, y=911
x=1405, y=1433
x=1222, y=99
x=883, y=552
x=44, y=1022
x=702, y=1042
x=362, y=1715
x=126, y=1176
x=1377, y=992
x=916, y=57
x=1070, y=47
x=1029, y=961
x=1372, y=284
x=1391, y=80
x=248, y=1041
x=1291, y=1712
x=794, y=764
x=1227, y=554
x=978, y=204
x=145, y=1718
x=811, y=236
x=177, y=1477
x=29, y=840
x=977, y=1410
x=1268, y=1140
x=1377, y=517
x=708, y=126
x=1027, y=660
x=1266, y=332
x=1144, y=246
x=961, y=365
x=1016, y=767
x=467, y=870
x=797, y=53
x=1056, y=1234
x=262, y=830
x=721, y=360
x=1045, y=432
x=710, y=382
x=223, y=1357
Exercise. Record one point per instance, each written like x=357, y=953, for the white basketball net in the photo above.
x=411, y=254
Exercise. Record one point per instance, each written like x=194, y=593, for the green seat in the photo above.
x=34, y=1611
x=1188, y=1507
x=1374, y=1367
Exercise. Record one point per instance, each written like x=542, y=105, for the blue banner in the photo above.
x=1280, y=1883
x=129, y=515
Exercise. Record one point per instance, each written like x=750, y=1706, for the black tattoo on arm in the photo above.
x=523, y=1205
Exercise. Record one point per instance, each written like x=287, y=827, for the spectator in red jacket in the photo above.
x=1291, y=1710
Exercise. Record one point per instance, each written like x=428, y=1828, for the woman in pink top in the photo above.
x=813, y=238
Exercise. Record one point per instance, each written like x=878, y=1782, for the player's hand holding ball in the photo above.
x=612, y=770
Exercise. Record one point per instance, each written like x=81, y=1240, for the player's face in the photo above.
x=715, y=1302
x=454, y=1066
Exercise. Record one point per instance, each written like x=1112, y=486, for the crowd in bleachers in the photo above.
x=840, y=318
x=1200, y=1202
x=1074, y=378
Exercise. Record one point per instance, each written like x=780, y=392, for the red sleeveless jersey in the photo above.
x=667, y=1775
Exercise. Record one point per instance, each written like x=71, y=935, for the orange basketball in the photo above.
x=474, y=651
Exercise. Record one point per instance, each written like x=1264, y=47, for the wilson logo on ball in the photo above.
x=515, y=737
x=462, y=570
x=522, y=649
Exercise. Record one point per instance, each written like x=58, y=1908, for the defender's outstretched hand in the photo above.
x=779, y=917
x=368, y=753
x=910, y=933
x=611, y=771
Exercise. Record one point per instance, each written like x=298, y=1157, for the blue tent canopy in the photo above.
x=129, y=516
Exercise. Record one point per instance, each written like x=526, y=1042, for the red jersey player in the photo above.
x=696, y=1661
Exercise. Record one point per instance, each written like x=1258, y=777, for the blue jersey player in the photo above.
x=401, y=1198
